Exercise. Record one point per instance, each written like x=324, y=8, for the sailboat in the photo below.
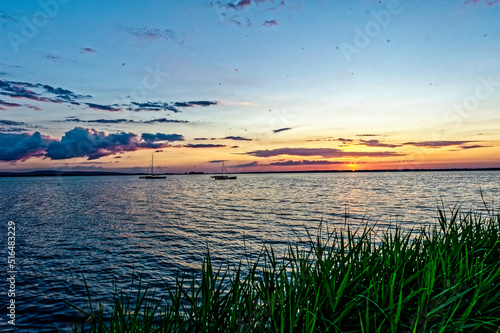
x=221, y=177
x=152, y=175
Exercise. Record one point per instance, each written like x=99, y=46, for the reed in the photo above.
x=444, y=278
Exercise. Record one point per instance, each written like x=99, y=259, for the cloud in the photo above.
x=487, y=2
x=12, y=123
x=164, y=120
x=377, y=143
x=270, y=23
x=111, y=108
x=282, y=129
x=307, y=162
x=247, y=165
x=204, y=145
x=171, y=106
x=436, y=144
x=368, y=134
x=155, y=34
x=36, y=92
x=20, y=147
x=87, y=50
x=237, y=138
x=122, y=120
x=323, y=152
x=148, y=137
x=474, y=147
x=93, y=144
x=53, y=57
x=4, y=104
x=8, y=18
x=148, y=106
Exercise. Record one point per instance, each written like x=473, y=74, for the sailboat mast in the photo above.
x=152, y=165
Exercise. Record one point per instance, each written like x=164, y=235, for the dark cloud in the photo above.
x=436, y=144
x=217, y=161
x=8, y=18
x=111, y=108
x=170, y=106
x=87, y=50
x=93, y=144
x=307, y=162
x=270, y=23
x=20, y=147
x=4, y=104
x=204, y=145
x=282, y=129
x=12, y=123
x=164, y=120
x=148, y=137
x=122, y=120
x=148, y=106
x=377, y=143
x=368, y=134
x=35, y=92
x=109, y=121
x=323, y=152
x=53, y=57
x=474, y=147
x=195, y=103
x=237, y=138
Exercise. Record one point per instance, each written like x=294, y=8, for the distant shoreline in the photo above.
x=55, y=173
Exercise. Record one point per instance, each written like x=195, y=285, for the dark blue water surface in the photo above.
x=105, y=228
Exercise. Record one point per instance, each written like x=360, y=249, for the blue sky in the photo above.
x=260, y=84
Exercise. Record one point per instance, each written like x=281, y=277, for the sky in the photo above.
x=263, y=85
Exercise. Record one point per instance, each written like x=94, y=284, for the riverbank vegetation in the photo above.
x=444, y=278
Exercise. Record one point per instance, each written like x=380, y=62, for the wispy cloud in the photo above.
x=87, y=50
x=155, y=34
x=170, y=106
x=111, y=108
x=472, y=147
x=322, y=152
x=437, y=144
x=148, y=137
x=270, y=23
x=307, y=162
x=4, y=105
x=377, y=143
x=123, y=120
x=282, y=129
x=38, y=92
x=486, y=2
x=8, y=18
x=204, y=145
x=236, y=138
x=164, y=120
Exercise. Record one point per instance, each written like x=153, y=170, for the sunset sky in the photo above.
x=260, y=84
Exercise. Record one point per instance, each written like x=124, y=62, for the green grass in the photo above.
x=440, y=279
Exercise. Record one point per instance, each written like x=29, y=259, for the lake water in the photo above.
x=105, y=228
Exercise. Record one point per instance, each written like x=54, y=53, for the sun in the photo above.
x=352, y=167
